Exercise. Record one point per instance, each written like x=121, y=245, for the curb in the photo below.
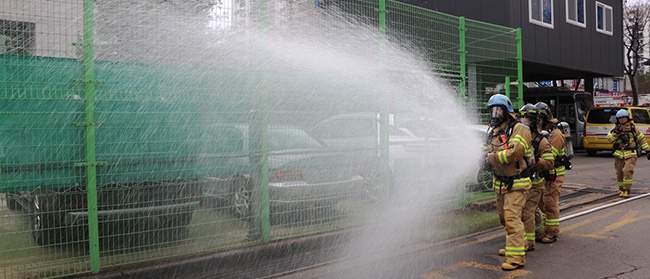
x=175, y=268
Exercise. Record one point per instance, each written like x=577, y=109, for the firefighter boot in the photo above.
x=625, y=193
x=530, y=246
x=621, y=192
x=549, y=239
x=511, y=266
x=502, y=252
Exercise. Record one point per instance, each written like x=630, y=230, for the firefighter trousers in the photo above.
x=624, y=172
x=510, y=206
x=528, y=214
x=550, y=205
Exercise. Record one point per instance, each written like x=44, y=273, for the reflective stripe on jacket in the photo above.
x=509, y=162
x=558, y=143
x=636, y=138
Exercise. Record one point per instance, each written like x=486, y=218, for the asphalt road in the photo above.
x=598, y=172
x=602, y=236
x=609, y=241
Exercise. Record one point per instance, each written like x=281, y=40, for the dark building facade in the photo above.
x=562, y=39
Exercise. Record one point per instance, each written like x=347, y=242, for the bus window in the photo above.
x=567, y=114
x=583, y=103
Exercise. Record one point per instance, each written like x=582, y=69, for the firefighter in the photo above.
x=626, y=138
x=550, y=203
x=542, y=163
x=505, y=150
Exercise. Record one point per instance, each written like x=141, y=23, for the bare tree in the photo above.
x=636, y=19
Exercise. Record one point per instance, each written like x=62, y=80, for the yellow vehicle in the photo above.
x=601, y=120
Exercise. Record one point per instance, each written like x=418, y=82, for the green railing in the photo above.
x=131, y=132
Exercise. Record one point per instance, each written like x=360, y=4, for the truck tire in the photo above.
x=12, y=204
x=45, y=225
x=242, y=199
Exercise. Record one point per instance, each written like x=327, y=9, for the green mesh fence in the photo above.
x=132, y=131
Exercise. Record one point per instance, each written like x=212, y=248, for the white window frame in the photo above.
x=611, y=22
x=584, y=13
x=540, y=22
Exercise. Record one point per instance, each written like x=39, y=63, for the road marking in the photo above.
x=591, y=220
x=629, y=218
x=441, y=273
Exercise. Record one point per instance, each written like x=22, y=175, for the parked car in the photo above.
x=602, y=119
x=303, y=173
x=411, y=143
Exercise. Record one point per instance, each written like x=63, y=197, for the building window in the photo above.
x=575, y=12
x=541, y=12
x=16, y=37
x=604, y=18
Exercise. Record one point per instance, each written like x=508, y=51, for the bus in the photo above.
x=566, y=104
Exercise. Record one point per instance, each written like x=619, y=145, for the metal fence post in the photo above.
x=384, y=148
x=462, y=87
x=264, y=181
x=506, y=87
x=91, y=162
x=520, y=70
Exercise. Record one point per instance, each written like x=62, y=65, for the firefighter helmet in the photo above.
x=500, y=99
x=500, y=108
x=544, y=111
x=529, y=111
x=622, y=113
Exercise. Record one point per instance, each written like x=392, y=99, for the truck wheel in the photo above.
x=45, y=229
x=12, y=204
x=241, y=202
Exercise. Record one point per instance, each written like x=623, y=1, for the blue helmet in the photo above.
x=622, y=113
x=500, y=99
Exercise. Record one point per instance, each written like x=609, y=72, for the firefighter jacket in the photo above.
x=508, y=150
x=558, y=146
x=544, y=158
x=626, y=139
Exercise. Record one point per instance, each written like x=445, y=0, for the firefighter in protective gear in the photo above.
x=550, y=203
x=506, y=149
x=543, y=161
x=626, y=138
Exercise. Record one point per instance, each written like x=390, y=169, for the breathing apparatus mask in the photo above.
x=498, y=115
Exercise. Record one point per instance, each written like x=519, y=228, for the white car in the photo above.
x=413, y=144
